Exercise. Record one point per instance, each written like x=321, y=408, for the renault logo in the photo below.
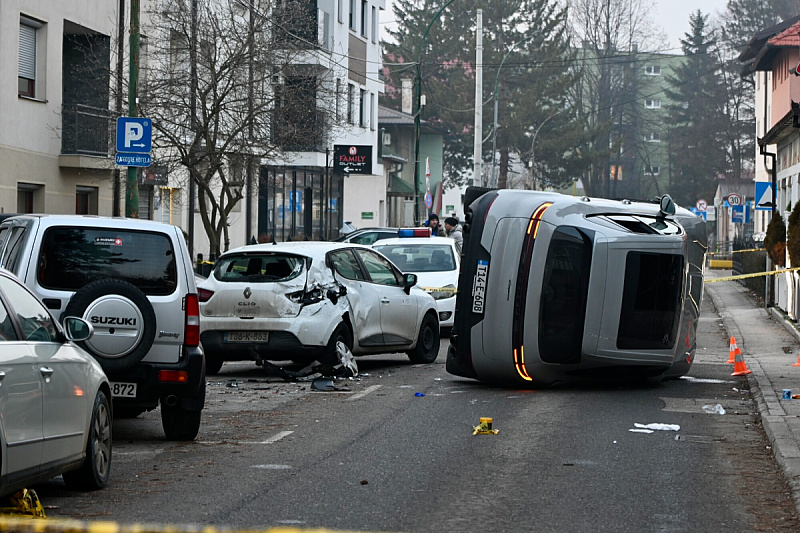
x=247, y=292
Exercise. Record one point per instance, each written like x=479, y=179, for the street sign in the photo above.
x=134, y=160
x=763, y=196
x=352, y=159
x=701, y=205
x=134, y=135
x=428, y=200
x=734, y=199
x=737, y=214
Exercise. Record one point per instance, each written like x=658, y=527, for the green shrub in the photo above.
x=775, y=240
x=793, y=236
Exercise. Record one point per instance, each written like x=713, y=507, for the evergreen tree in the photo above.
x=534, y=117
x=697, y=120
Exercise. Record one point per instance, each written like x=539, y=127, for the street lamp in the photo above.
x=496, y=82
x=533, y=153
x=418, y=109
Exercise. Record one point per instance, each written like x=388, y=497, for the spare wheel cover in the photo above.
x=118, y=326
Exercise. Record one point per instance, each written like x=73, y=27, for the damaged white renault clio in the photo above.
x=306, y=301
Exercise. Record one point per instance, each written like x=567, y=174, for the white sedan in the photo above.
x=55, y=409
x=435, y=261
x=305, y=301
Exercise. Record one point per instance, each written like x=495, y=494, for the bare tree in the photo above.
x=231, y=84
x=611, y=33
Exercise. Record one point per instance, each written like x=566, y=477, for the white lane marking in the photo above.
x=366, y=391
x=272, y=467
x=276, y=438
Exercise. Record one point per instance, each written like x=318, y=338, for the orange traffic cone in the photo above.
x=798, y=361
x=734, y=351
x=740, y=367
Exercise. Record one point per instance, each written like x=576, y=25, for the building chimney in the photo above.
x=408, y=95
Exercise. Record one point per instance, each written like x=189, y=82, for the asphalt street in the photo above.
x=394, y=450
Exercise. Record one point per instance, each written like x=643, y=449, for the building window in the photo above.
x=372, y=111
x=352, y=20
x=351, y=103
x=652, y=171
x=374, y=24
x=85, y=200
x=364, y=17
x=30, y=32
x=616, y=172
x=652, y=104
x=29, y=198
x=652, y=138
x=362, y=109
x=652, y=70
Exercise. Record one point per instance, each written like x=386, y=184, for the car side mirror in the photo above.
x=666, y=205
x=77, y=329
x=409, y=280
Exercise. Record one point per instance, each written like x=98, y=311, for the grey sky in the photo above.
x=671, y=15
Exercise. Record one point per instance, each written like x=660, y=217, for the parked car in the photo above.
x=368, y=235
x=306, y=301
x=133, y=281
x=554, y=288
x=435, y=261
x=55, y=415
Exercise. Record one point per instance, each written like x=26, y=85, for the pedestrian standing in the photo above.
x=453, y=229
x=433, y=223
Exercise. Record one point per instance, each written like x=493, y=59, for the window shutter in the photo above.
x=27, y=52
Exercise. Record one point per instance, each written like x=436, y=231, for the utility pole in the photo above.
x=132, y=182
x=248, y=202
x=478, y=153
x=115, y=204
x=418, y=110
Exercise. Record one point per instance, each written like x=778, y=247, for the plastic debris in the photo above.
x=656, y=427
x=233, y=384
x=485, y=427
x=714, y=409
x=419, y=394
x=326, y=385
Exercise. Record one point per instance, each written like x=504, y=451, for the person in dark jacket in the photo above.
x=433, y=223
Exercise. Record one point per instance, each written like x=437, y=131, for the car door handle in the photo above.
x=46, y=371
x=385, y=300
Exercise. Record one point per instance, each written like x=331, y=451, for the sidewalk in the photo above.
x=769, y=345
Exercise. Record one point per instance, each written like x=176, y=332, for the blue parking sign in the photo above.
x=134, y=135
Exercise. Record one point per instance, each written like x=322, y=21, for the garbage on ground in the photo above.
x=326, y=385
x=419, y=394
x=650, y=428
x=714, y=409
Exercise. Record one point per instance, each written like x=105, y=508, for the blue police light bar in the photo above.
x=414, y=232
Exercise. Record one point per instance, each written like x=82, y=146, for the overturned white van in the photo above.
x=556, y=288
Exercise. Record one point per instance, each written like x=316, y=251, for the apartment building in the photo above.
x=55, y=121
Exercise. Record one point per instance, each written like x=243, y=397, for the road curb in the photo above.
x=784, y=445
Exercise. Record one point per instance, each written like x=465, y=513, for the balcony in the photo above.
x=85, y=137
x=306, y=132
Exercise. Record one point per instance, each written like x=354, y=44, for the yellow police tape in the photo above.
x=440, y=289
x=752, y=275
x=737, y=251
x=19, y=525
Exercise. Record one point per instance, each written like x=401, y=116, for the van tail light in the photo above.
x=204, y=294
x=191, y=331
x=520, y=300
